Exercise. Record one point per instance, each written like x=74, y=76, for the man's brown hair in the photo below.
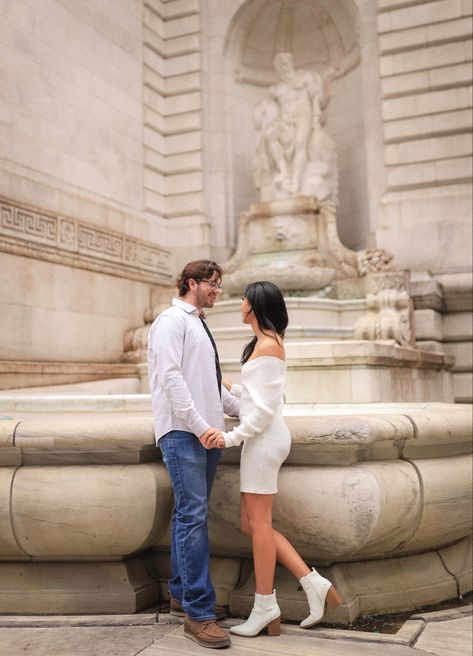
x=197, y=270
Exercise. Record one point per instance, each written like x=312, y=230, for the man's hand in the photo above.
x=212, y=439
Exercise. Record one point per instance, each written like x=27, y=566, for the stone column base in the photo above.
x=86, y=587
x=374, y=587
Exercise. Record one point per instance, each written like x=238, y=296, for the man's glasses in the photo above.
x=214, y=284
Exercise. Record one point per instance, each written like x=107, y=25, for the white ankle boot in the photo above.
x=318, y=590
x=265, y=613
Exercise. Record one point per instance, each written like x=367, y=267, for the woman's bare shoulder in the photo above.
x=269, y=346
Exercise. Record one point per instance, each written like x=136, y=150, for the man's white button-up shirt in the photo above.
x=182, y=375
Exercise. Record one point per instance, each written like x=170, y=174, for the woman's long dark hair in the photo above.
x=267, y=304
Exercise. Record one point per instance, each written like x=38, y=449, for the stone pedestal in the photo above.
x=294, y=243
x=367, y=493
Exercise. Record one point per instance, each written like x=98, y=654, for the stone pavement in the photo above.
x=443, y=633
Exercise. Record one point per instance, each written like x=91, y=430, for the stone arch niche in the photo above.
x=321, y=34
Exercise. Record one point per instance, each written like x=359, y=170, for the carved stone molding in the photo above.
x=38, y=234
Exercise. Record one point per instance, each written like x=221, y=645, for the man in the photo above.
x=188, y=402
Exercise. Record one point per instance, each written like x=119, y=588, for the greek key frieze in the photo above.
x=151, y=257
x=52, y=237
x=99, y=241
x=31, y=225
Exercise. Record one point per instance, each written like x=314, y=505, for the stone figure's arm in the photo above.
x=265, y=386
x=316, y=90
x=167, y=345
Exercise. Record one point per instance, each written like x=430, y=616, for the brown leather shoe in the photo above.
x=176, y=609
x=206, y=634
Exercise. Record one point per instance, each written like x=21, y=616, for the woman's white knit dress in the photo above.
x=267, y=440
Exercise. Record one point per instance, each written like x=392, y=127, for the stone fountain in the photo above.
x=376, y=490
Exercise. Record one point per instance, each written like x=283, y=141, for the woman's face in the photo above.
x=245, y=309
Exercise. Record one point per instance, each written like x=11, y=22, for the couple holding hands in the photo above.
x=189, y=399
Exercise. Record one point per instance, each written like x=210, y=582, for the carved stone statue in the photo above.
x=294, y=154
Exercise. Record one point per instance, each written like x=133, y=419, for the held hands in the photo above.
x=212, y=439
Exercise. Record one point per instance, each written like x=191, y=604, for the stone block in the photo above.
x=457, y=288
x=397, y=130
x=457, y=559
x=432, y=102
x=426, y=58
x=440, y=434
x=183, y=204
x=420, y=14
x=9, y=547
x=183, y=143
x=458, y=326
x=428, y=324
x=463, y=387
x=128, y=507
x=377, y=504
x=182, y=123
x=463, y=354
x=183, y=83
x=72, y=587
x=458, y=169
x=446, y=502
x=411, y=175
x=183, y=183
x=182, y=103
x=71, y=439
x=182, y=64
x=428, y=149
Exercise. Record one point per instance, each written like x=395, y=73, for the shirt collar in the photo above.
x=187, y=307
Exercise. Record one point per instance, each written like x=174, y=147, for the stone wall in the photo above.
x=425, y=67
x=81, y=256
x=173, y=158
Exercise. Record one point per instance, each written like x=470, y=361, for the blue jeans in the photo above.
x=192, y=470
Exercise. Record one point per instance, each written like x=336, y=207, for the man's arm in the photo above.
x=167, y=343
x=231, y=403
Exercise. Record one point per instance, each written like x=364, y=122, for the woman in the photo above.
x=267, y=443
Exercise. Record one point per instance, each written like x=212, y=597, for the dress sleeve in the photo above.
x=265, y=386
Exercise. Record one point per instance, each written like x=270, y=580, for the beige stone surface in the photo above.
x=447, y=501
x=122, y=635
x=128, y=507
x=378, y=505
x=437, y=638
x=54, y=313
x=72, y=587
x=357, y=453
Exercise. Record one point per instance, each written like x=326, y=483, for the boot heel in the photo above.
x=274, y=627
x=333, y=598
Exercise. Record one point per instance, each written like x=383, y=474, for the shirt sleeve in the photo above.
x=265, y=386
x=236, y=390
x=167, y=342
x=231, y=402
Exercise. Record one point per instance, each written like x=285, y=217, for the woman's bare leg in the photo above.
x=288, y=556
x=258, y=509
x=285, y=552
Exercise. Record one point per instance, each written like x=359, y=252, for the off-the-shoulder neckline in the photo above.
x=258, y=357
